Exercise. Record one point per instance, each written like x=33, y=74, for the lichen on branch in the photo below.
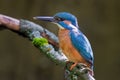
x=35, y=33
x=40, y=42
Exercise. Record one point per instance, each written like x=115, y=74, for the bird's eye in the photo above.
x=59, y=19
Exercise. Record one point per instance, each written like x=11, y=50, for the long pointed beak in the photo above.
x=44, y=18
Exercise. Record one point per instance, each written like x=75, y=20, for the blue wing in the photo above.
x=81, y=43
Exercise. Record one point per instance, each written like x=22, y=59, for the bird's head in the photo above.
x=63, y=19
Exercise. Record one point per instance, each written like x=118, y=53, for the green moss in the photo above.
x=40, y=42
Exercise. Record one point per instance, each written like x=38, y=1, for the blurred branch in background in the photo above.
x=47, y=42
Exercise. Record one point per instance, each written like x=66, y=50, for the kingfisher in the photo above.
x=73, y=43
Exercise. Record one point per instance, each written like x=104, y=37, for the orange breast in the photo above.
x=68, y=49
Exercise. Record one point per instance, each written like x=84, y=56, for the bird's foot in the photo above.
x=72, y=66
x=87, y=70
x=82, y=64
x=75, y=64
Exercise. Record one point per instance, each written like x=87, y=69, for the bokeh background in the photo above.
x=98, y=19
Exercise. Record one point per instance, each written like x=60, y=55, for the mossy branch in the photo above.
x=47, y=43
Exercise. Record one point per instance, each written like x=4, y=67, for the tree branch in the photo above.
x=10, y=23
x=47, y=42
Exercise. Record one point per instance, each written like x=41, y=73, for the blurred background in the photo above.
x=98, y=19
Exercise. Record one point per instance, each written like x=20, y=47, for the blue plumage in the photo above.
x=79, y=41
x=68, y=16
x=82, y=44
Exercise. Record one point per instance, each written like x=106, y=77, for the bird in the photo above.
x=73, y=43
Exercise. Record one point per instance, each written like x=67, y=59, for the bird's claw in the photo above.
x=87, y=70
x=82, y=65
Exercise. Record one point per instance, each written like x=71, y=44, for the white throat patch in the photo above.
x=59, y=26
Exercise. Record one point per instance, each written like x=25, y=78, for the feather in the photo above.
x=81, y=43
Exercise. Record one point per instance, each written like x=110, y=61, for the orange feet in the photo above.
x=73, y=65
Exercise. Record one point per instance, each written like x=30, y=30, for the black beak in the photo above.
x=44, y=18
